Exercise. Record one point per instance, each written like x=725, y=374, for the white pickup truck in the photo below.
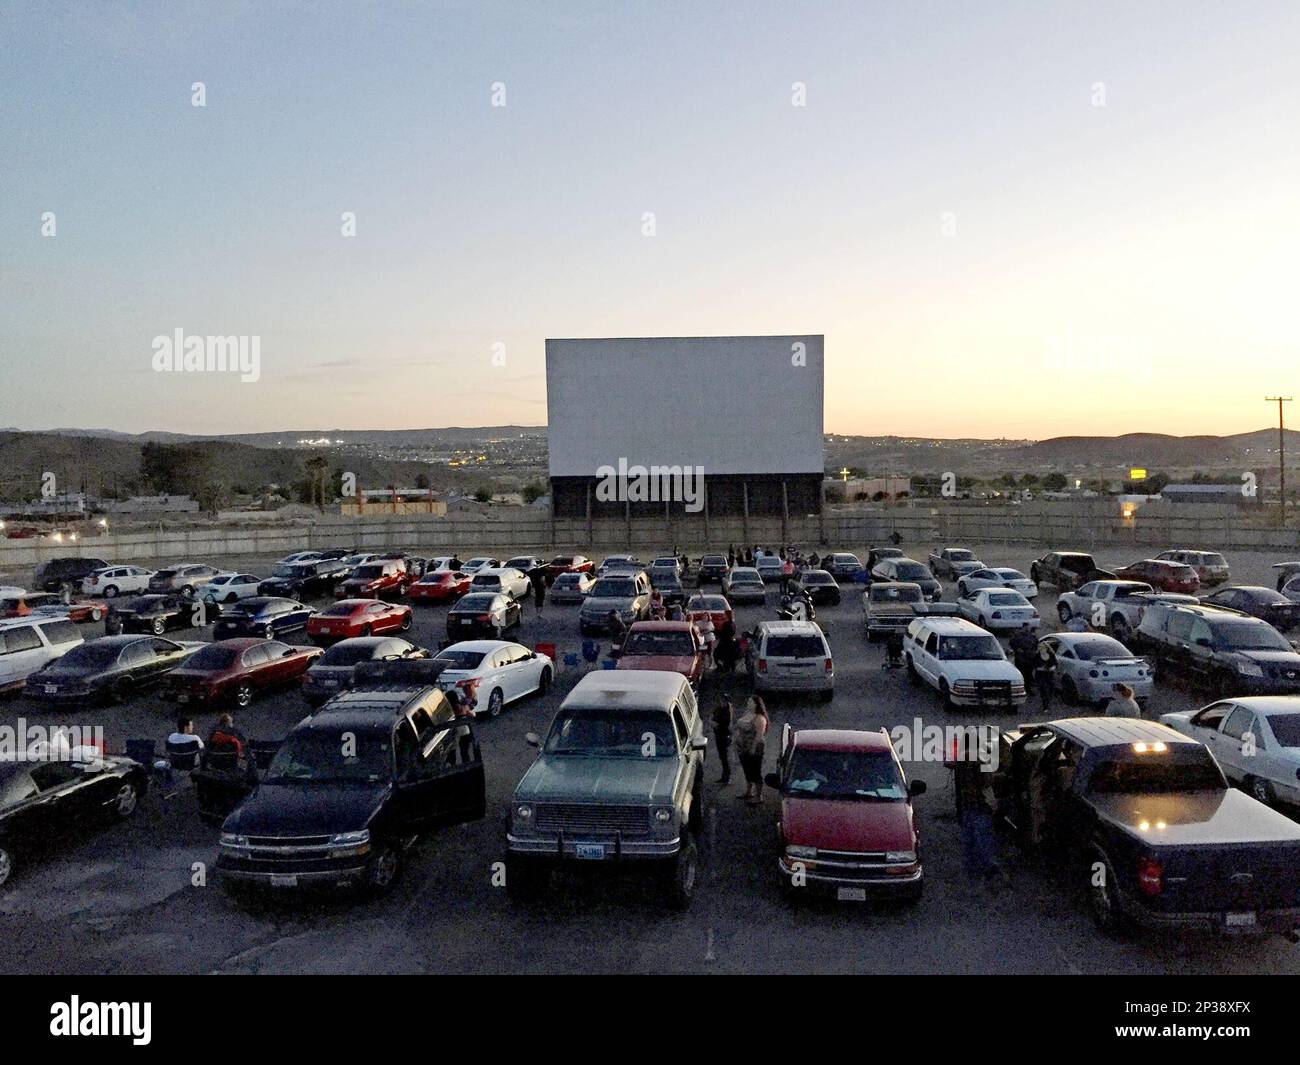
x=1113, y=605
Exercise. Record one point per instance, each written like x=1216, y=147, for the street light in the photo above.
x=1281, y=456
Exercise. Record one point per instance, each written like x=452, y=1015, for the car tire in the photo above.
x=695, y=821
x=495, y=702
x=912, y=675
x=682, y=875
x=406, y=623
x=1259, y=789
x=383, y=869
x=188, y=591
x=110, y=591
x=125, y=801
x=1103, y=899
x=231, y=598
x=158, y=627
x=544, y=681
x=243, y=696
x=6, y=866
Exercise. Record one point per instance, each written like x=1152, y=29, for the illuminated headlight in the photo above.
x=900, y=857
x=1249, y=669
x=229, y=839
x=796, y=851
x=664, y=814
x=347, y=839
x=523, y=811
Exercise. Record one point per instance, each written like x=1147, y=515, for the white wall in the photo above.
x=729, y=404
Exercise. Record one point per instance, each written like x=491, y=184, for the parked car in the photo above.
x=909, y=571
x=230, y=587
x=481, y=562
x=1291, y=589
x=770, y=568
x=110, y=581
x=1263, y=603
x=27, y=644
x=107, y=669
x=1110, y=604
x=601, y=792
x=666, y=646
x=64, y=574
x=890, y=606
x=305, y=580
x=502, y=579
x=572, y=587
x=186, y=579
x=998, y=609
x=712, y=568
x=878, y=555
x=488, y=674
x=1210, y=566
x=1287, y=572
x=333, y=672
x=842, y=565
x=668, y=585
x=665, y=564
x=483, y=614
x=1066, y=570
x=619, y=562
x=997, y=577
x=963, y=662
x=744, y=584
x=846, y=826
x=49, y=603
x=525, y=564
x=953, y=562
x=300, y=556
x=1256, y=741
x=568, y=564
x=440, y=586
x=714, y=608
x=820, y=586
x=791, y=656
x=1162, y=576
x=233, y=672
x=41, y=801
x=625, y=593
x=1090, y=664
x=155, y=614
x=380, y=579
x=265, y=616
x=1231, y=653
x=348, y=618
x=1144, y=819
x=323, y=815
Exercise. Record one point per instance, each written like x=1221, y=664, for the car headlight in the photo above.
x=523, y=811
x=796, y=851
x=230, y=839
x=344, y=839
x=1249, y=669
x=900, y=857
x=664, y=814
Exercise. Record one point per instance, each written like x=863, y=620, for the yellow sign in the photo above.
x=1137, y=473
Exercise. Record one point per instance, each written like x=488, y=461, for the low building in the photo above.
x=1206, y=493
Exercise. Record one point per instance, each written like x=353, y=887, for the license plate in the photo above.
x=284, y=880
x=590, y=851
x=182, y=697
x=50, y=689
x=1240, y=920
x=329, y=684
x=851, y=894
x=466, y=621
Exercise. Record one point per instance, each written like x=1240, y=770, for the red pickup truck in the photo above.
x=668, y=646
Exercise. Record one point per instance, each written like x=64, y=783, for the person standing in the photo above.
x=731, y=555
x=749, y=734
x=787, y=575
x=1024, y=646
x=1045, y=677
x=537, y=578
x=722, y=715
x=1122, y=703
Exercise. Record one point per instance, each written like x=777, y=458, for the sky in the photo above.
x=1008, y=219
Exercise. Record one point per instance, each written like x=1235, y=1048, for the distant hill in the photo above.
x=290, y=437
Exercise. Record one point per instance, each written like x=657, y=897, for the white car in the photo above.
x=110, y=581
x=1291, y=589
x=28, y=643
x=611, y=562
x=963, y=662
x=791, y=656
x=1090, y=664
x=998, y=609
x=511, y=582
x=572, y=587
x=665, y=564
x=482, y=562
x=525, y=563
x=1268, y=763
x=490, y=673
x=229, y=587
x=744, y=584
x=1111, y=604
x=997, y=577
x=300, y=556
x=770, y=568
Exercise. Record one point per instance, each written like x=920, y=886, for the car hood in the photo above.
x=592, y=605
x=974, y=669
x=577, y=778
x=847, y=825
x=664, y=663
x=305, y=810
x=1198, y=817
x=1276, y=658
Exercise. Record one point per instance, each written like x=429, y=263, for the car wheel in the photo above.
x=1063, y=612
x=961, y=589
x=912, y=674
x=125, y=801
x=682, y=875
x=231, y=597
x=695, y=821
x=243, y=695
x=406, y=622
x=544, y=681
x=6, y=866
x=495, y=702
x=1260, y=790
x=96, y=613
x=158, y=627
x=383, y=869
x=110, y=591
x=268, y=631
x=1034, y=574
x=1103, y=893
x=188, y=591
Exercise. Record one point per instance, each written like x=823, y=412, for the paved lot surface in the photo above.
x=122, y=901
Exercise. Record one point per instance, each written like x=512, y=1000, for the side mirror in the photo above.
x=916, y=787
x=533, y=740
x=773, y=780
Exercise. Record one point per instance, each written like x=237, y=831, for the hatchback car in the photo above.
x=1090, y=664
x=112, y=581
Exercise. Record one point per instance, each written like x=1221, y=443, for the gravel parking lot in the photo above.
x=122, y=900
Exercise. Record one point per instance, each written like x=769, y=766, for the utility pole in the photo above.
x=1281, y=456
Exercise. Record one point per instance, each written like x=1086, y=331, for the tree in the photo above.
x=534, y=491
x=1055, y=482
x=483, y=495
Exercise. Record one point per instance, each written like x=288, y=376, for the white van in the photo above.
x=26, y=644
x=965, y=663
x=791, y=656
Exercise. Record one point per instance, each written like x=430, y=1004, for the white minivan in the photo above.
x=791, y=656
x=26, y=644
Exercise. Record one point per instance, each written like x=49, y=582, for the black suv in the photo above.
x=301, y=580
x=347, y=793
x=1230, y=652
x=1067, y=570
x=58, y=573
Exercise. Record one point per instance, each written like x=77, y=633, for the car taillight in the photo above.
x=762, y=665
x=1151, y=876
x=485, y=617
x=828, y=665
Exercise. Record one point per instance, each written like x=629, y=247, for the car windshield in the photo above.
x=818, y=577
x=347, y=654
x=979, y=648
x=1245, y=636
x=486, y=580
x=1212, y=560
x=861, y=775
x=612, y=733
x=478, y=601
x=1154, y=773
x=248, y=608
x=911, y=571
x=707, y=602
x=650, y=642
x=713, y=560
x=213, y=656
x=886, y=593
x=286, y=571
x=960, y=556
x=368, y=572
x=312, y=757
x=165, y=574
x=562, y=560
x=1095, y=647
x=665, y=579
x=87, y=658
x=614, y=588
x=339, y=610
x=1007, y=599
x=788, y=646
x=461, y=659
x=1286, y=729
x=567, y=580
x=1010, y=574
x=746, y=578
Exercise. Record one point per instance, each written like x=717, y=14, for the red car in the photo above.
x=567, y=564
x=714, y=607
x=232, y=672
x=19, y=606
x=358, y=617
x=670, y=646
x=380, y=579
x=1162, y=576
x=440, y=586
x=847, y=827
